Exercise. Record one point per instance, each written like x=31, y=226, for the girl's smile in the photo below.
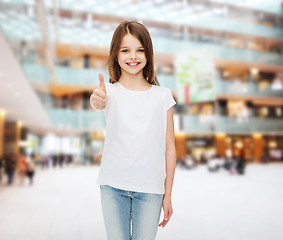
x=133, y=64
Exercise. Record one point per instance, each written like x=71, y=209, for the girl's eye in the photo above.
x=125, y=50
x=141, y=50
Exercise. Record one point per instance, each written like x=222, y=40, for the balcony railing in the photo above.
x=74, y=76
x=175, y=46
x=201, y=124
x=246, y=89
x=36, y=72
x=221, y=48
x=95, y=120
x=66, y=75
x=77, y=119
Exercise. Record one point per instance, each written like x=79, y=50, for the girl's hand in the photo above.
x=167, y=209
x=99, y=97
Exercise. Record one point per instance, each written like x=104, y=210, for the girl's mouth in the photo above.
x=133, y=64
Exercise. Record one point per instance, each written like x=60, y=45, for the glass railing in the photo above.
x=182, y=47
x=161, y=44
x=226, y=124
x=196, y=124
x=77, y=119
x=36, y=72
x=66, y=75
x=246, y=89
x=95, y=120
x=202, y=124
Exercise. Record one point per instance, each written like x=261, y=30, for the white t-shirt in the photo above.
x=133, y=158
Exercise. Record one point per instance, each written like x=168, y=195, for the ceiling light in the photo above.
x=20, y=123
x=2, y=112
x=257, y=135
x=254, y=71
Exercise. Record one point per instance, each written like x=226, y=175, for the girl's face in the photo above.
x=131, y=57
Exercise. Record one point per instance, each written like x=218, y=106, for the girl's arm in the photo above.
x=170, y=157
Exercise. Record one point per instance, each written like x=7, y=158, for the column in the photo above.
x=2, y=124
x=180, y=142
x=18, y=137
x=220, y=144
x=258, y=146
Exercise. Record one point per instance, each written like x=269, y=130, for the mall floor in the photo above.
x=64, y=204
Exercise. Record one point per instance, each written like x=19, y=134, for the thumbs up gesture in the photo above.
x=99, y=97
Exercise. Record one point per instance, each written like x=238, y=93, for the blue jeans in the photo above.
x=130, y=215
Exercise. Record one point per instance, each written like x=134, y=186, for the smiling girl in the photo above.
x=139, y=157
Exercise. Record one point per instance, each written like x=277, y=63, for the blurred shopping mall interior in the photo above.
x=222, y=60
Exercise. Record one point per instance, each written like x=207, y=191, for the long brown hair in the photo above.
x=140, y=32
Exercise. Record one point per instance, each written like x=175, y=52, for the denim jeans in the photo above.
x=130, y=215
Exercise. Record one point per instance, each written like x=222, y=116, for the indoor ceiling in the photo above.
x=81, y=26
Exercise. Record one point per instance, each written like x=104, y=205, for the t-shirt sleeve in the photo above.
x=169, y=101
x=109, y=90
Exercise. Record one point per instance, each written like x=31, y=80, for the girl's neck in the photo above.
x=133, y=80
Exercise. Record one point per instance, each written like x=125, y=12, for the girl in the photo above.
x=139, y=157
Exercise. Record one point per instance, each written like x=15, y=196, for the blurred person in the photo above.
x=264, y=158
x=139, y=157
x=231, y=164
x=214, y=163
x=22, y=168
x=37, y=158
x=45, y=161
x=240, y=165
x=61, y=159
x=24, y=51
x=30, y=169
x=10, y=167
x=69, y=159
x=203, y=158
x=86, y=61
x=188, y=162
x=55, y=159
x=1, y=167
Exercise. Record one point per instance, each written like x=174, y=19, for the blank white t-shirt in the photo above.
x=133, y=158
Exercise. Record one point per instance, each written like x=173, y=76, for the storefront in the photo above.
x=241, y=146
x=200, y=147
x=274, y=148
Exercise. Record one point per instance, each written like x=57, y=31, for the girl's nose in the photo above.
x=133, y=56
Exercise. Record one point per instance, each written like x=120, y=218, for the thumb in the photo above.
x=102, y=84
